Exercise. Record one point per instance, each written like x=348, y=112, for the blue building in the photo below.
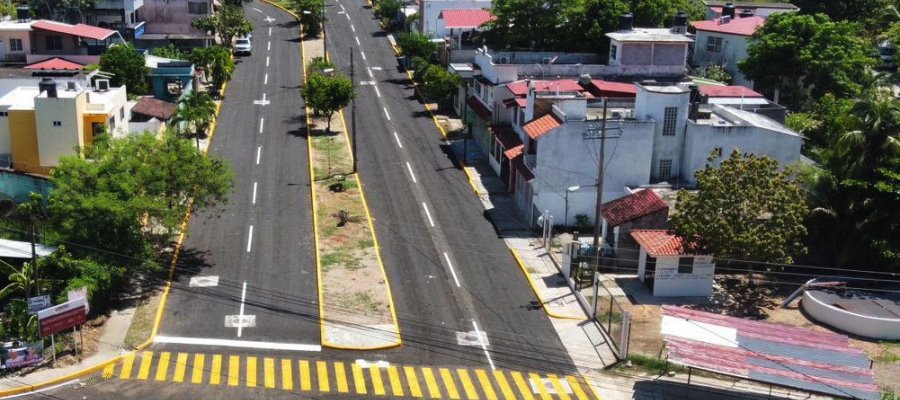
x=170, y=80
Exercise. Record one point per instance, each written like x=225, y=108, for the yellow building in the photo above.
x=48, y=121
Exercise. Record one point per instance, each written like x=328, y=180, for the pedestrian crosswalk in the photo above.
x=345, y=377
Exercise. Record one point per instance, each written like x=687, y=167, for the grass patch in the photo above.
x=361, y=301
x=142, y=321
x=342, y=258
x=651, y=364
x=365, y=244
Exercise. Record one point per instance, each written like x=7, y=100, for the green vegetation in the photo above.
x=745, y=209
x=127, y=68
x=195, y=112
x=227, y=23
x=439, y=84
x=311, y=13
x=388, y=10
x=327, y=93
x=170, y=51
x=414, y=44
x=715, y=72
x=360, y=301
x=653, y=365
x=216, y=63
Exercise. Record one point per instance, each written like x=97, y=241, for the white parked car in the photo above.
x=242, y=46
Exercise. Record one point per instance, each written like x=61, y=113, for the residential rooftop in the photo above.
x=733, y=26
x=649, y=35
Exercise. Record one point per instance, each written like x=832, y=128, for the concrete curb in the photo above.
x=537, y=291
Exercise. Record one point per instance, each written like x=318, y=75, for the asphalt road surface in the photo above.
x=260, y=247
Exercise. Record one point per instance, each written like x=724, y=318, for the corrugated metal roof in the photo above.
x=795, y=357
x=80, y=30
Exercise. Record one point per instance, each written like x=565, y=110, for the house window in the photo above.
x=4, y=114
x=613, y=49
x=57, y=123
x=197, y=7
x=477, y=88
x=15, y=45
x=665, y=169
x=122, y=113
x=54, y=42
x=714, y=44
x=685, y=265
x=669, y=121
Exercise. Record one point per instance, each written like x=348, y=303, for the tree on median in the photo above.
x=327, y=93
x=228, y=23
x=311, y=16
x=745, y=209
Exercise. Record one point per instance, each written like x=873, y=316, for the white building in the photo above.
x=724, y=41
x=548, y=140
x=715, y=9
x=668, y=269
x=430, y=12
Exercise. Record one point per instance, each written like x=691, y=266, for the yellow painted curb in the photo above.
x=61, y=379
x=471, y=180
x=537, y=292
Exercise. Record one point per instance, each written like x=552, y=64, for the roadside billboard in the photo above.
x=17, y=357
x=62, y=316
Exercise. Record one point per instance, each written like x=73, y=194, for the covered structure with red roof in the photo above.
x=723, y=41
x=668, y=268
x=55, y=64
x=461, y=24
x=643, y=209
x=800, y=358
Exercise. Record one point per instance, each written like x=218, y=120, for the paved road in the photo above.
x=428, y=219
x=261, y=246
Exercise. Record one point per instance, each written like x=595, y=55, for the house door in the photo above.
x=504, y=170
x=650, y=272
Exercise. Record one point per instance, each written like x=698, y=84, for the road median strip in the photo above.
x=356, y=310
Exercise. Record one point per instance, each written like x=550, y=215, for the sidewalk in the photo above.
x=586, y=343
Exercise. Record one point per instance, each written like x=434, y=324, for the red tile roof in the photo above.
x=513, y=146
x=539, y=126
x=81, y=30
x=56, y=64
x=479, y=109
x=728, y=91
x=658, y=242
x=155, y=108
x=617, y=89
x=520, y=88
x=520, y=102
x=635, y=205
x=468, y=18
x=739, y=26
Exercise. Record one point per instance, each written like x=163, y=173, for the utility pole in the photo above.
x=598, y=206
x=353, y=112
x=465, y=123
x=324, y=33
x=37, y=279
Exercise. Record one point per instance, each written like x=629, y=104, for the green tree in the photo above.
x=658, y=13
x=170, y=51
x=318, y=65
x=414, y=44
x=806, y=57
x=228, y=23
x=127, y=68
x=715, y=72
x=195, y=112
x=745, y=209
x=312, y=15
x=526, y=24
x=130, y=198
x=842, y=10
x=326, y=94
x=60, y=10
x=587, y=22
x=438, y=84
x=7, y=8
x=388, y=10
x=216, y=63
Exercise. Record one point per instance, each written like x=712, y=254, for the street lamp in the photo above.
x=570, y=189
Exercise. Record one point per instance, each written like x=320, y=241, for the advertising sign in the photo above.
x=38, y=303
x=17, y=357
x=62, y=316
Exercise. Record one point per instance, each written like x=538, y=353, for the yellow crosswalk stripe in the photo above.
x=305, y=380
x=507, y=391
x=234, y=366
x=467, y=385
x=341, y=376
x=579, y=393
x=162, y=366
x=269, y=372
x=109, y=370
x=251, y=371
x=180, y=366
x=414, y=389
x=485, y=382
x=146, y=363
x=560, y=390
x=215, y=373
x=377, y=384
x=524, y=389
x=197, y=369
x=287, y=374
x=359, y=380
x=127, y=364
x=536, y=379
x=433, y=390
x=394, y=376
x=449, y=384
x=322, y=372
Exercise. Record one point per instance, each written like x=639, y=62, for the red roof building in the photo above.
x=79, y=30
x=631, y=207
x=739, y=26
x=55, y=64
x=466, y=18
x=659, y=242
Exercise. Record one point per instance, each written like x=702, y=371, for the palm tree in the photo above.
x=195, y=113
x=876, y=134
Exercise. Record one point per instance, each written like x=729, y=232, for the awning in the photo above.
x=17, y=249
x=519, y=164
x=56, y=64
x=479, y=108
x=512, y=145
